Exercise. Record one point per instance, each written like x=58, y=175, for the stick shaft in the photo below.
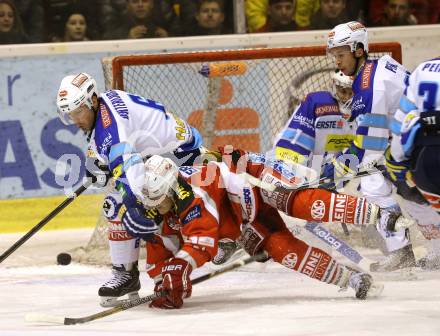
x=43, y=222
x=149, y=298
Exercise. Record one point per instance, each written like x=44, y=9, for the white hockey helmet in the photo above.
x=343, y=81
x=74, y=91
x=351, y=34
x=160, y=180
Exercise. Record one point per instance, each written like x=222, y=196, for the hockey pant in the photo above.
x=378, y=190
x=425, y=166
x=296, y=254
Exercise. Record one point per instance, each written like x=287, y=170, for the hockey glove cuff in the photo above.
x=138, y=225
x=175, y=282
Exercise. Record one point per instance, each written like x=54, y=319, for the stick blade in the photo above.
x=44, y=318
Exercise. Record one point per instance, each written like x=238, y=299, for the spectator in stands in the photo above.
x=331, y=13
x=396, y=13
x=32, y=17
x=137, y=22
x=279, y=17
x=426, y=11
x=11, y=28
x=256, y=13
x=57, y=10
x=209, y=18
x=75, y=28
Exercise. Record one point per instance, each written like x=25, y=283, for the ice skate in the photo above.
x=226, y=248
x=394, y=221
x=361, y=283
x=398, y=259
x=429, y=263
x=122, y=283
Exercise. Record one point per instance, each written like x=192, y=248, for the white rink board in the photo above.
x=260, y=299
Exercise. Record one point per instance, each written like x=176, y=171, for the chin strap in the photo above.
x=95, y=111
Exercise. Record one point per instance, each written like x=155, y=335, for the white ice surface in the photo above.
x=260, y=299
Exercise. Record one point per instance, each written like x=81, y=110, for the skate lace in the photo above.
x=119, y=278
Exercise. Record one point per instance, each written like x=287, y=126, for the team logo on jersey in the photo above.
x=303, y=121
x=193, y=213
x=318, y=210
x=326, y=124
x=358, y=104
x=366, y=75
x=110, y=208
x=327, y=109
x=105, y=116
x=180, y=128
x=290, y=260
x=249, y=203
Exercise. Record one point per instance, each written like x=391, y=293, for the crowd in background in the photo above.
x=35, y=21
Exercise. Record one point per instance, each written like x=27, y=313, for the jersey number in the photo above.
x=148, y=102
x=429, y=91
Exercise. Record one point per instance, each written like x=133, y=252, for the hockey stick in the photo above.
x=323, y=182
x=339, y=245
x=45, y=220
x=46, y=318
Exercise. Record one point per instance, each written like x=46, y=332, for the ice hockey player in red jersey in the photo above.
x=197, y=206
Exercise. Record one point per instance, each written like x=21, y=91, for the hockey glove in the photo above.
x=396, y=171
x=138, y=225
x=97, y=173
x=400, y=175
x=175, y=282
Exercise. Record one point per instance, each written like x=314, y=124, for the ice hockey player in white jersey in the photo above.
x=413, y=159
x=123, y=129
x=377, y=86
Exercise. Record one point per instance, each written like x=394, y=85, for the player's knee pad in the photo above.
x=253, y=236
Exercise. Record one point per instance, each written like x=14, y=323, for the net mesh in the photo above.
x=242, y=98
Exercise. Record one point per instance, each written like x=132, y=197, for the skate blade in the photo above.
x=109, y=302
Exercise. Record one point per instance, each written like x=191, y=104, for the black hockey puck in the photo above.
x=64, y=259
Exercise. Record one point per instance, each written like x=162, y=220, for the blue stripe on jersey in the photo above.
x=372, y=142
x=134, y=159
x=118, y=150
x=373, y=120
x=283, y=143
x=395, y=126
x=406, y=105
x=297, y=137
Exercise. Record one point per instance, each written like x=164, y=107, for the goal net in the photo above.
x=236, y=97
